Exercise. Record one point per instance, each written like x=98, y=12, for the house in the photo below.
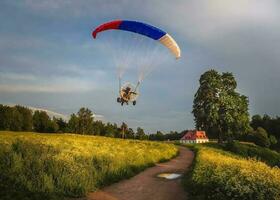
x=194, y=136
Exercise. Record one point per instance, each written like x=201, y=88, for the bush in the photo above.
x=261, y=138
x=266, y=155
x=272, y=140
x=221, y=175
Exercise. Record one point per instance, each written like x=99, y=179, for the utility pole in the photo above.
x=122, y=132
x=123, y=127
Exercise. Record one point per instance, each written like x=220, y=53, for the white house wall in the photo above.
x=194, y=141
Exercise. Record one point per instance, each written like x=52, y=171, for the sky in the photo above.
x=49, y=60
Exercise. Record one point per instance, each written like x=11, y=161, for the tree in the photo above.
x=52, y=126
x=256, y=122
x=116, y=130
x=267, y=123
x=140, y=134
x=217, y=107
x=73, y=124
x=261, y=137
x=2, y=117
x=26, y=121
x=62, y=125
x=6, y=117
x=98, y=128
x=273, y=140
x=85, y=121
x=159, y=136
x=41, y=121
x=16, y=118
x=130, y=133
x=110, y=130
x=272, y=127
x=173, y=135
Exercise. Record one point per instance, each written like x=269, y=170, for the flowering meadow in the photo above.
x=217, y=174
x=73, y=165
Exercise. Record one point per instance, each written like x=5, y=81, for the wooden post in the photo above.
x=122, y=132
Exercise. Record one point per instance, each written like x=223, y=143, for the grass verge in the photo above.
x=218, y=174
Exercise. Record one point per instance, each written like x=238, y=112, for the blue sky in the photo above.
x=49, y=60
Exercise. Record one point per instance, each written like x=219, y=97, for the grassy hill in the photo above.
x=250, y=150
x=71, y=165
x=220, y=174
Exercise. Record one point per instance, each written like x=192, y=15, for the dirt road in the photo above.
x=147, y=186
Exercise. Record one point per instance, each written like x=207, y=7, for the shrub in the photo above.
x=272, y=140
x=261, y=138
x=266, y=155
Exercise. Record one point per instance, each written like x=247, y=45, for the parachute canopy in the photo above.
x=142, y=29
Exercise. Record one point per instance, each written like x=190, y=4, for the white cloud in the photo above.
x=201, y=20
x=73, y=8
x=16, y=76
x=99, y=117
x=49, y=112
x=15, y=41
x=197, y=20
x=46, y=84
x=14, y=88
x=82, y=71
x=56, y=114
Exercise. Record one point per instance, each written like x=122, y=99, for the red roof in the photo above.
x=193, y=135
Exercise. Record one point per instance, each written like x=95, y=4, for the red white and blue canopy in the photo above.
x=142, y=29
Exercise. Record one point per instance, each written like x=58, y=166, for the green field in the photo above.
x=71, y=165
x=219, y=174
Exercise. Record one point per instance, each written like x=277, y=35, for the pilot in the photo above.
x=127, y=92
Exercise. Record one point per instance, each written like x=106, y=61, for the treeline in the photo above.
x=83, y=123
x=172, y=135
x=19, y=118
x=15, y=118
x=265, y=131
